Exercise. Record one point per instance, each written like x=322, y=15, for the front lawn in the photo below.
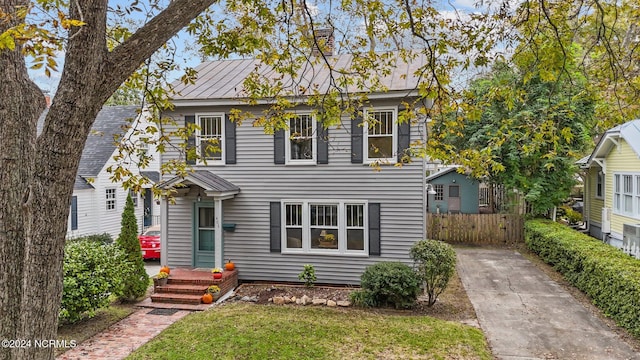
x=247, y=331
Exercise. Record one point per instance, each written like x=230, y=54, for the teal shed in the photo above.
x=450, y=192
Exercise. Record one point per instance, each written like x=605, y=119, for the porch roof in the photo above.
x=212, y=184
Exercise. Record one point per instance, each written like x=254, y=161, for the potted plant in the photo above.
x=217, y=273
x=214, y=290
x=160, y=279
x=327, y=240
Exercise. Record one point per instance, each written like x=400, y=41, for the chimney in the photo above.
x=324, y=40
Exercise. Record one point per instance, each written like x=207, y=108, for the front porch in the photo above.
x=185, y=288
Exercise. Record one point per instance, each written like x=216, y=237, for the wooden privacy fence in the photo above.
x=476, y=229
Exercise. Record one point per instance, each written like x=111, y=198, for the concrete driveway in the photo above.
x=152, y=267
x=526, y=315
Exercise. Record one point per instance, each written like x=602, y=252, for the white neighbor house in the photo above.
x=97, y=202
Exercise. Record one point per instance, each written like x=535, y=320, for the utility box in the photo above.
x=631, y=239
x=606, y=220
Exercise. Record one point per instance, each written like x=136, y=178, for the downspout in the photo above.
x=423, y=138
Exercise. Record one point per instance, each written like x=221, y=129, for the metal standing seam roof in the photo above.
x=208, y=180
x=223, y=79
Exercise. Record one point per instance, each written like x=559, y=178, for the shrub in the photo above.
x=571, y=216
x=308, y=275
x=434, y=262
x=387, y=283
x=91, y=276
x=104, y=238
x=610, y=277
x=135, y=276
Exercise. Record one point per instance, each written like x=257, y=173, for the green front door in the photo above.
x=204, y=235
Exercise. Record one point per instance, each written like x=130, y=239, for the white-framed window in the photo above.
x=134, y=198
x=626, y=194
x=110, y=198
x=381, y=135
x=209, y=138
x=600, y=185
x=324, y=227
x=439, y=189
x=301, y=146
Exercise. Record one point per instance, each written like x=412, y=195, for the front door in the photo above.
x=204, y=235
x=148, y=208
x=454, y=199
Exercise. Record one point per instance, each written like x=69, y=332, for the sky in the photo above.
x=49, y=83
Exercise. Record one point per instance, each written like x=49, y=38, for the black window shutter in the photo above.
x=404, y=139
x=278, y=147
x=356, y=140
x=74, y=213
x=230, y=140
x=191, y=140
x=374, y=228
x=323, y=144
x=274, y=224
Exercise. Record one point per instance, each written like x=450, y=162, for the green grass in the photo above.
x=246, y=331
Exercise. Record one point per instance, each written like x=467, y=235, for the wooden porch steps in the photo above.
x=186, y=286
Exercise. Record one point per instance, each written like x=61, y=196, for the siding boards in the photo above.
x=620, y=159
x=398, y=190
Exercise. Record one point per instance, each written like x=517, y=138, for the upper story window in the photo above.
x=381, y=135
x=600, y=185
x=626, y=194
x=110, y=199
x=209, y=138
x=324, y=227
x=301, y=145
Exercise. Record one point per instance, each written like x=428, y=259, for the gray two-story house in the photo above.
x=305, y=195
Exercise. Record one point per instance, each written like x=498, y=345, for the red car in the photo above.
x=150, y=243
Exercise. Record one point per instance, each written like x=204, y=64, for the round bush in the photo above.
x=388, y=283
x=435, y=263
x=91, y=275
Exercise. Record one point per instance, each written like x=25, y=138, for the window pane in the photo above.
x=324, y=215
x=301, y=137
x=381, y=122
x=301, y=149
x=380, y=147
x=294, y=215
x=324, y=238
x=205, y=217
x=439, y=188
x=355, y=239
x=210, y=149
x=294, y=238
x=210, y=136
x=628, y=185
x=355, y=215
x=206, y=240
x=628, y=204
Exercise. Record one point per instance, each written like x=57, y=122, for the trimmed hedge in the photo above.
x=610, y=277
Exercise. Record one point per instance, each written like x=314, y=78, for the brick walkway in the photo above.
x=122, y=338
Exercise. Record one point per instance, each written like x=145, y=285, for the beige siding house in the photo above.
x=612, y=187
x=304, y=195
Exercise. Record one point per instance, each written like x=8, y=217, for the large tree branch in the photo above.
x=128, y=56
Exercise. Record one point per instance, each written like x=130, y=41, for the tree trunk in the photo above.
x=37, y=174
